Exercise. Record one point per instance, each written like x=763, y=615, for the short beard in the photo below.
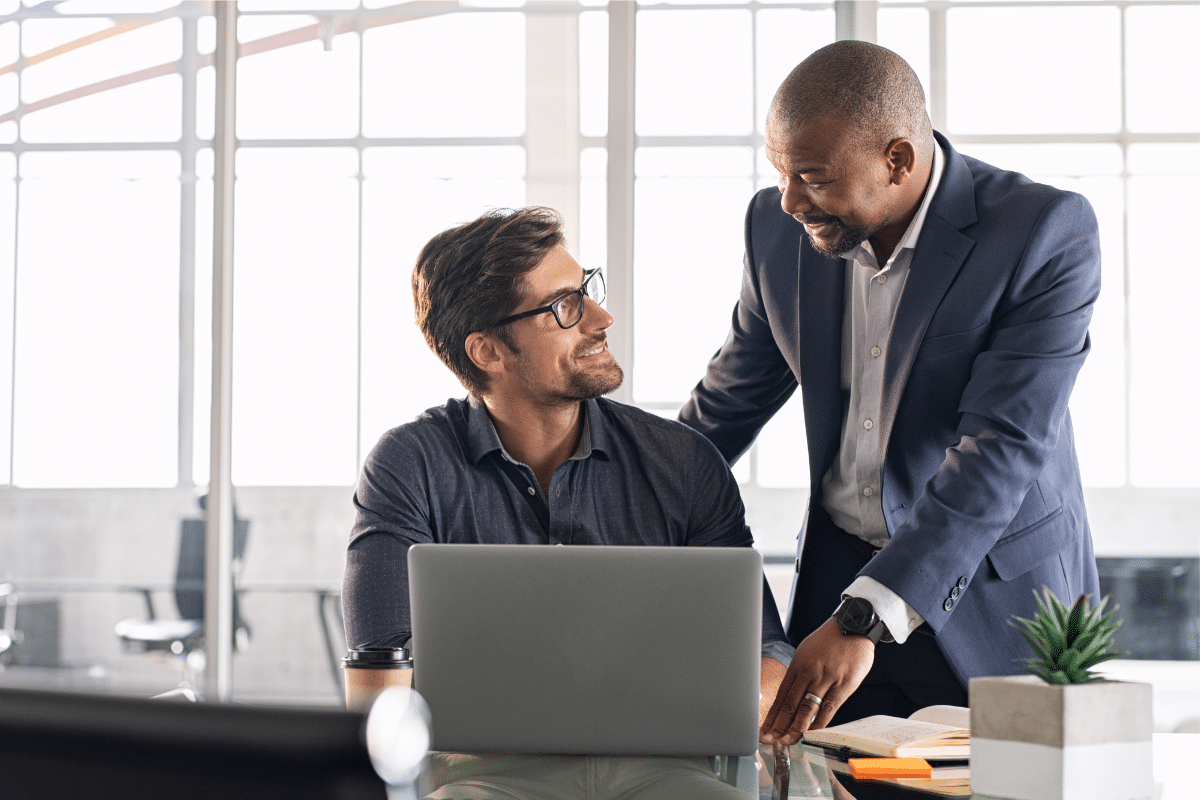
x=848, y=239
x=589, y=386
x=580, y=385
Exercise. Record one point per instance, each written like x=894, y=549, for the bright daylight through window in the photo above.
x=363, y=129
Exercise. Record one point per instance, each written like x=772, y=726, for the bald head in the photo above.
x=868, y=87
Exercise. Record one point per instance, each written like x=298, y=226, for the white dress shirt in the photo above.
x=851, y=488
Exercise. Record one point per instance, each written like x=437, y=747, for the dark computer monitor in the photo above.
x=65, y=745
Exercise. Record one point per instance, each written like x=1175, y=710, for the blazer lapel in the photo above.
x=940, y=253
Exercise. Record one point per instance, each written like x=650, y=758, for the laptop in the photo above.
x=588, y=649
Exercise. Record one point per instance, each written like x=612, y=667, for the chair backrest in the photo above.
x=189, y=571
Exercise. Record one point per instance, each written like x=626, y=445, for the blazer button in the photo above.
x=949, y=604
x=962, y=583
x=954, y=593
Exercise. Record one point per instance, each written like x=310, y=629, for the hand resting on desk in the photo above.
x=828, y=665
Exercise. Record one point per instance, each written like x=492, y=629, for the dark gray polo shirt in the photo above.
x=635, y=479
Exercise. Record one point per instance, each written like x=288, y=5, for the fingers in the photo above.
x=825, y=670
x=779, y=717
x=813, y=705
x=824, y=714
x=796, y=709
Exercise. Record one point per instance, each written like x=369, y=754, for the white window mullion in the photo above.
x=937, y=68
x=552, y=139
x=622, y=41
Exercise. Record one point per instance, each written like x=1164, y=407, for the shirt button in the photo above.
x=532, y=490
x=962, y=583
x=954, y=592
x=883, y=278
x=949, y=604
x=558, y=492
x=868, y=491
x=868, y=424
x=875, y=351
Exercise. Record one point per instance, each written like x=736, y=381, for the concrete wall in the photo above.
x=97, y=539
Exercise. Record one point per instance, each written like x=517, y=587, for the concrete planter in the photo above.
x=1034, y=741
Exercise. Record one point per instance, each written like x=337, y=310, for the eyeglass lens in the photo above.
x=594, y=287
x=569, y=309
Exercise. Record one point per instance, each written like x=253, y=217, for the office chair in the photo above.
x=184, y=637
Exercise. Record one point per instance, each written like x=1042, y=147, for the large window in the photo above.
x=363, y=130
x=699, y=160
x=1099, y=100
x=1096, y=99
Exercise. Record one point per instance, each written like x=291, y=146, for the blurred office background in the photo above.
x=365, y=128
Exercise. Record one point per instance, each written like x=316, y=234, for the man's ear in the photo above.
x=902, y=159
x=486, y=352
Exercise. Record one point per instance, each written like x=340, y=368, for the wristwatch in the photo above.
x=856, y=617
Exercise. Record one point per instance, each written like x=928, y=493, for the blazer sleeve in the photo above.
x=1012, y=423
x=748, y=379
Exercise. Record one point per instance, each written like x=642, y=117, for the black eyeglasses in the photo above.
x=568, y=309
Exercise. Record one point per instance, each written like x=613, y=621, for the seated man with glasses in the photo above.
x=535, y=454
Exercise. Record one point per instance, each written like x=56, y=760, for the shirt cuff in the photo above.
x=780, y=651
x=897, y=615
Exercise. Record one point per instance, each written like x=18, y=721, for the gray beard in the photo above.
x=848, y=239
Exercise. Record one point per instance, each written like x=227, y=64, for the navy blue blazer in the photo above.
x=980, y=485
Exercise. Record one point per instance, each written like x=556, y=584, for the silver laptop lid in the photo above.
x=586, y=649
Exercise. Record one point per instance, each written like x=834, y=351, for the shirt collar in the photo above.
x=863, y=254
x=482, y=438
x=481, y=433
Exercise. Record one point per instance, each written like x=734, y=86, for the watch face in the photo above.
x=856, y=615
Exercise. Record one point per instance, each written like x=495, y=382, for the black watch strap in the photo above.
x=877, y=632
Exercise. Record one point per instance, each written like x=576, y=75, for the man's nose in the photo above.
x=596, y=316
x=795, y=199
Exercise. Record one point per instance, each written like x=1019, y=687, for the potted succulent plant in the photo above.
x=1062, y=733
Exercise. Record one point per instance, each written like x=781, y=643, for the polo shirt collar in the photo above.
x=483, y=439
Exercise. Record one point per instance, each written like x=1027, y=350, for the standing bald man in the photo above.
x=933, y=311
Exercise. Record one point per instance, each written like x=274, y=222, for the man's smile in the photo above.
x=601, y=348
x=817, y=225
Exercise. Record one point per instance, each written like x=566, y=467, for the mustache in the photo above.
x=593, y=344
x=820, y=221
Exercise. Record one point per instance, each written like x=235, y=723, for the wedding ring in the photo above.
x=812, y=698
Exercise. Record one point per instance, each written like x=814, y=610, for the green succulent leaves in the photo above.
x=1068, y=642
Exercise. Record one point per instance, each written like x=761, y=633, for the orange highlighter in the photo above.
x=866, y=768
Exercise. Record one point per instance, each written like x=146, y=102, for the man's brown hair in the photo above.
x=470, y=277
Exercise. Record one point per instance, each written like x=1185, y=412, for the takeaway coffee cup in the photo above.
x=370, y=670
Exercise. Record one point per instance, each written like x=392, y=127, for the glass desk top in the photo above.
x=774, y=773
